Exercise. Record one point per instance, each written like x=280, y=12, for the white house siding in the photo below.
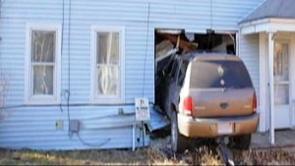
x=249, y=52
x=34, y=127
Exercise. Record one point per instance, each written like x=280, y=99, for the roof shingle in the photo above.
x=273, y=9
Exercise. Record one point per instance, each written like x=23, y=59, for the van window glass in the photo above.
x=219, y=74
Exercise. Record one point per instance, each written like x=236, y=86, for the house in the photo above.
x=273, y=24
x=72, y=69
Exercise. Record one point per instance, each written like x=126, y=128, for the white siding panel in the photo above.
x=249, y=52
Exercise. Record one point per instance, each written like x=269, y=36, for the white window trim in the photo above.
x=42, y=99
x=100, y=99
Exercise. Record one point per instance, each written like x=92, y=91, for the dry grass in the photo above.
x=265, y=157
x=112, y=157
x=154, y=155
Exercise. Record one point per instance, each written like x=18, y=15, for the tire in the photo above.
x=178, y=141
x=241, y=142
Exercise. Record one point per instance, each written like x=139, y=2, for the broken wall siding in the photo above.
x=34, y=127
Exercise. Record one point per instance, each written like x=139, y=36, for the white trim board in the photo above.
x=263, y=88
x=264, y=104
x=42, y=99
x=268, y=25
x=94, y=98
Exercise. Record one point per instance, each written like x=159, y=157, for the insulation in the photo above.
x=163, y=49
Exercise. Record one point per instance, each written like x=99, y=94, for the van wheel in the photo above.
x=241, y=142
x=177, y=140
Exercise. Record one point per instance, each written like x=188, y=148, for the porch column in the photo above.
x=271, y=85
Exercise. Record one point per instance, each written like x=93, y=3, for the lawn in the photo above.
x=157, y=154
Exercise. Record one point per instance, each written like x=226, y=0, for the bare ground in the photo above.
x=157, y=154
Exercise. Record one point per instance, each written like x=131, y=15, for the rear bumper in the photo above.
x=208, y=127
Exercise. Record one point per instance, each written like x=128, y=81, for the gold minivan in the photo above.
x=216, y=99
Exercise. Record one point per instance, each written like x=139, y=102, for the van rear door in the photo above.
x=221, y=87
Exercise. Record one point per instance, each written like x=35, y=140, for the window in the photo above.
x=281, y=73
x=107, y=67
x=42, y=84
x=233, y=74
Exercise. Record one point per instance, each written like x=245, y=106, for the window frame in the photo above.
x=30, y=98
x=105, y=99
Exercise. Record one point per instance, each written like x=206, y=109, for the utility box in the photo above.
x=74, y=126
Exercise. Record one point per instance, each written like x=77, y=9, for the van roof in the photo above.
x=215, y=56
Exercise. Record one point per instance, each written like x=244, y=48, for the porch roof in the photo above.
x=273, y=9
x=271, y=16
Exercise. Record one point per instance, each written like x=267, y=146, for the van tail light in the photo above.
x=254, y=103
x=188, y=105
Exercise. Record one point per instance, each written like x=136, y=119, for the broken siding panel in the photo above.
x=29, y=128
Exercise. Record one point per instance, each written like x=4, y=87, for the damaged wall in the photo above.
x=35, y=126
x=195, y=15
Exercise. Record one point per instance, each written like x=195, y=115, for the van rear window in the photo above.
x=219, y=74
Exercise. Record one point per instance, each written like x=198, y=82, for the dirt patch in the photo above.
x=157, y=154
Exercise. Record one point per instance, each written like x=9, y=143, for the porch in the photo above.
x=284, y=139
x=274, y=23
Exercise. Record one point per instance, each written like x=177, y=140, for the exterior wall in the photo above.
x=34, y=126
x=249, y=53
x=264, y=77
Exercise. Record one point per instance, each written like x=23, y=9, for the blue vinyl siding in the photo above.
x=34, y=127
